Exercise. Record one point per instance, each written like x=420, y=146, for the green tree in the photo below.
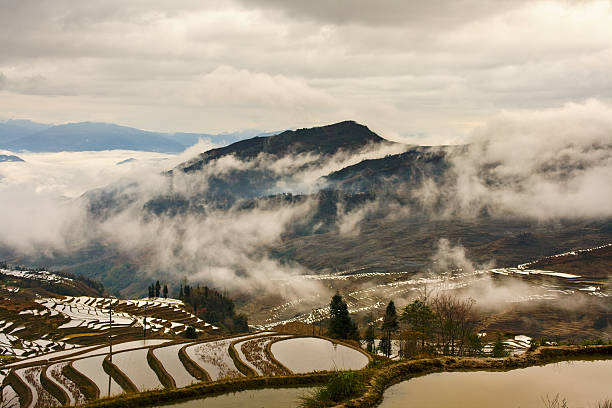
x=499, y=350
x=421, y=319
x=384, y=346
x=475, y=344
x=370, y=335
x=157, y=288
x=191, y=333
x=340, y=324
x=390, y=324
x=165, y=291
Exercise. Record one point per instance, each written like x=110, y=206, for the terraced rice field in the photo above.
x=75, y=374
x=40, y=396
x=214, y=357
x=253, y=353
x=134, y=364
x=54, y=372
x=92, y=314
x=308, y=354
x=10, y=399
x=168, y=357
x=91, y=367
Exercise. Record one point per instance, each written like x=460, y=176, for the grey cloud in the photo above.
x=438, y=13
x=432, y=68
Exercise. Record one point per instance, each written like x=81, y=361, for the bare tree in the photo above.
x=454, y=322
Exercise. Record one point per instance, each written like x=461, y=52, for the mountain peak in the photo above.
x=322, y=140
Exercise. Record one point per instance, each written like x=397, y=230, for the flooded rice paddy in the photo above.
x=169, y=358
x=134, y=364
x=271, y=397
x=91, y=367
x=582, y=383
x=304, y=355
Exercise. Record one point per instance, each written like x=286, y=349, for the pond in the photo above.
x=582, y=383
x=270, y=397
x=308, y=354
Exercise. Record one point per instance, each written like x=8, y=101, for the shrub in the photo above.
x=340, y=387
x=190, y=332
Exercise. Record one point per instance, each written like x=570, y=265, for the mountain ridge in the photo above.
x=25, y=135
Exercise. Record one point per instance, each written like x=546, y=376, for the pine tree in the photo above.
x=499, y=350
x=165, y=291
x=370, y=336
x=340, y=324
x=390, y=324
x=157, y=289
x=150, y=291
x=421, y=318
x=181, y=293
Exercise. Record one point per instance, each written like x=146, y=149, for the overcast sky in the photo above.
x=433, y=69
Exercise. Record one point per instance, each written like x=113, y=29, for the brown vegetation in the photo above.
x=255, y=352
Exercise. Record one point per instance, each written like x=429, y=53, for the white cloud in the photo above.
x=546, y=164
x=402, y=68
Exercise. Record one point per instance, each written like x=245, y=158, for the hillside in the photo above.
x=592, y=263
x=88, y=136
x=14, y=129
x=412, y=167
x=325, y=140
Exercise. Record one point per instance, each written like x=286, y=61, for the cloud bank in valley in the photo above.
x=542, y=164
x=545, y=164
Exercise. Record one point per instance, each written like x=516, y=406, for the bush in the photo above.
x=342, y=386
x=191, y=333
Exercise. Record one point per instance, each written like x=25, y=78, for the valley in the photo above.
x=242, y=247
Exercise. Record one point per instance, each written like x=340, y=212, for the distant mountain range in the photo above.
x=10, y=158
x=24, y=135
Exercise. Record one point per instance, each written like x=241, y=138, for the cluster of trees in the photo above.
x=443, y=324
x=155, y=290
x=214, y=307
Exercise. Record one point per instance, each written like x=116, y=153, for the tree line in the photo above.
x=155, y=290
x=213, y=307
x=442, y=324
x=206, y=303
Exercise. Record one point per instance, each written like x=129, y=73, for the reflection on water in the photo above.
x=308, y=354
x=581, y=383
x=269, y=398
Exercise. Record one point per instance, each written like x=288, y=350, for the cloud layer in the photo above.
x=429, y=71
x=546, y=164
x=543, y=164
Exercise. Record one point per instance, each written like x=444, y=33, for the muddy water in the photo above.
x=581, y=383
x=270, y=398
